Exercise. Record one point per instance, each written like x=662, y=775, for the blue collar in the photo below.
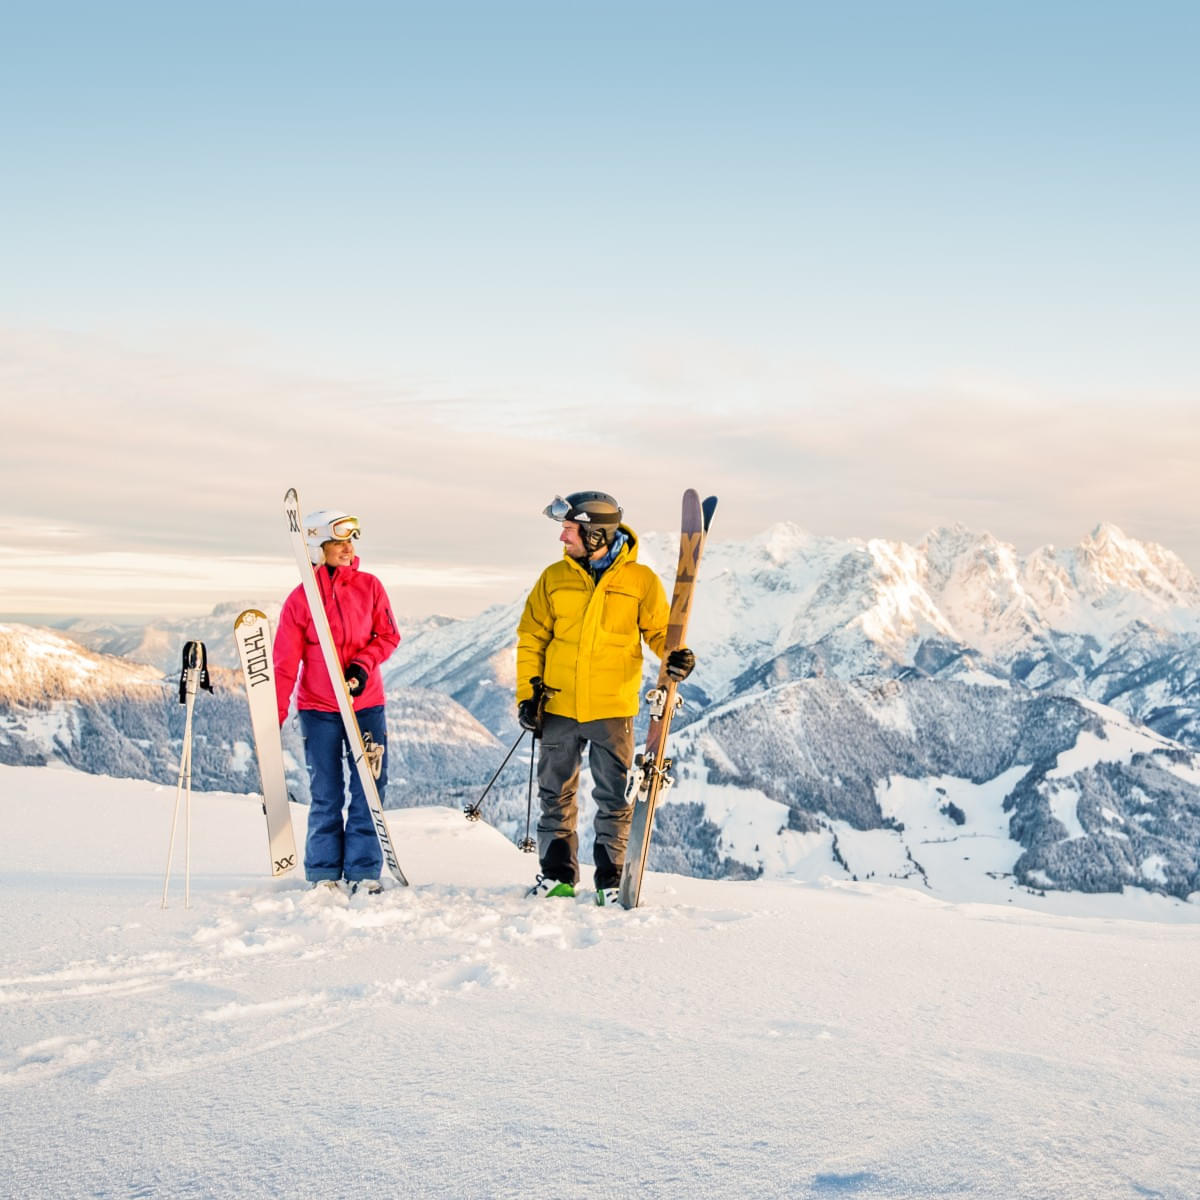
x=598, y=566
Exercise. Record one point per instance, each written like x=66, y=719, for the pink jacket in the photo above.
x=364, y=631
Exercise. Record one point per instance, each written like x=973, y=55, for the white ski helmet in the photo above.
x=328, y=525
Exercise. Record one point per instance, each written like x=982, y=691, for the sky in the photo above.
x=871, y=268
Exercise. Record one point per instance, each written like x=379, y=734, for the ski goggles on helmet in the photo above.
x=340, y=529
x=588, y=508
x=557, y=509
x=344, y=530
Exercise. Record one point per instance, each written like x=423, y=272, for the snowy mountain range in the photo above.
x=1041, y=712
x=1108, y=620
x=102, y=713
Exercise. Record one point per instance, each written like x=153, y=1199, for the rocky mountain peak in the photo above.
x=1108, y=559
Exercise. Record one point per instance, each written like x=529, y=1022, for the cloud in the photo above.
x=117, y=583
x=180, y=461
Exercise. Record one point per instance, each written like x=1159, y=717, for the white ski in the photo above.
x=291, y=506
x=252, y=632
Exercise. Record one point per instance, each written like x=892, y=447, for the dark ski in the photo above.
x=651, y=776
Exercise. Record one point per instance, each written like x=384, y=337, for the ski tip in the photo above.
x=708, y=508
x=249, y=616
x=292, y=495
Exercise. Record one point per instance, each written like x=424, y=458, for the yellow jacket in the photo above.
x=585, y=638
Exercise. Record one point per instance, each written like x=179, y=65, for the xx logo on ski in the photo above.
x=284, y=864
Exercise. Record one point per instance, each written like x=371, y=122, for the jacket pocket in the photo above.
x=567, y=605
x=620, y=613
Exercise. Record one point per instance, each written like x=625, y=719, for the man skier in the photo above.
x=364, y=632
x=579, y=671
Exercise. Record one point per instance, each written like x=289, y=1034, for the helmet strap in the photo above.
x=593, y=537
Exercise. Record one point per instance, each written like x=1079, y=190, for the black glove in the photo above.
x=529, y=712
x=680, y=663
x=356, y=679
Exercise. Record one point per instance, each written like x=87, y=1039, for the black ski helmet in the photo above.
x=597, y=514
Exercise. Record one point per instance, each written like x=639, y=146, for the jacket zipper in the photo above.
x=337, y=604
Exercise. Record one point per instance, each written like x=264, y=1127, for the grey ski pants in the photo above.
x=610, y=756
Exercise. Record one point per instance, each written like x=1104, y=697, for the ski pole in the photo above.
x=471, y=812
x=183, y=756
x=527, y=843
x=195, y=674
x=187, y=807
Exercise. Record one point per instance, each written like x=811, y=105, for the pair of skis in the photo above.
x=651, y=774
x=253, y=635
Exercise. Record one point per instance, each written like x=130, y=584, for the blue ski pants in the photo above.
x=337, y=847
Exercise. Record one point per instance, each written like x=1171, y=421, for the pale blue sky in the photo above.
x=533, y=230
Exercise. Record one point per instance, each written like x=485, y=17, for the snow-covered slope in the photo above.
x=1067, y=793
x=41, y=664
x=773, y=1040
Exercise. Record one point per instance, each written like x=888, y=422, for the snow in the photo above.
x=978, y=678
x=753, y=829
x=1121, y=741
x=40, y=727
x=1064, y=804
x=454, y=1039
x=46, y=664
x=885, y=703
x=958, y=861
x=1185, y=772
x=1154, y=867
x=41, y=644
x=243, y=757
